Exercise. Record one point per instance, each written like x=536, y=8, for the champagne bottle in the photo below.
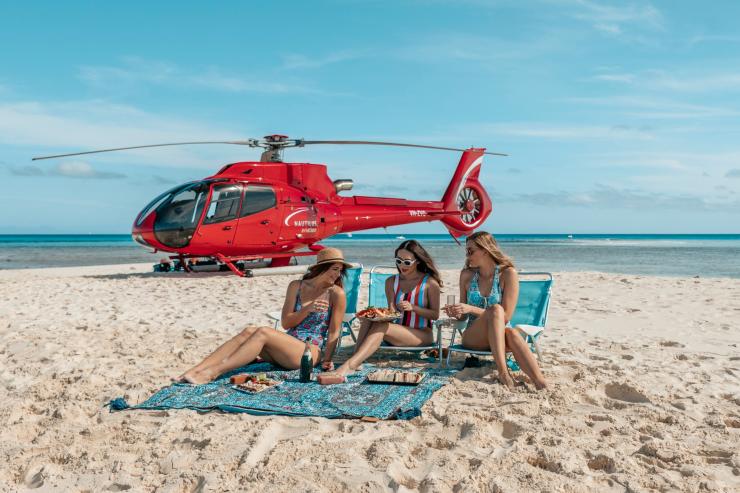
x=306, y=363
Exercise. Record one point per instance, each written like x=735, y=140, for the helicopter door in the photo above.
x=219, y=224
x=259, y=221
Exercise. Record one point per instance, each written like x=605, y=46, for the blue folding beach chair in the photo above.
x=530, y=316
x=351, y=291
x=377, y=298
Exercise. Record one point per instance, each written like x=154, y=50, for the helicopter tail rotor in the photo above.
x=465, y=200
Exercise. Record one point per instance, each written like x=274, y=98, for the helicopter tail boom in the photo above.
x=464, y=205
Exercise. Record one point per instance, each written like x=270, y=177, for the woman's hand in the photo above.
x=404, y=306
x=321, y=305
x=318, y=305
x=457, y=311
x=327, y=365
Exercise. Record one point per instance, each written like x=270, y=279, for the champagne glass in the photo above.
x=450, y=301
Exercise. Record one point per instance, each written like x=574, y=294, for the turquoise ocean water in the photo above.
x=669, y=255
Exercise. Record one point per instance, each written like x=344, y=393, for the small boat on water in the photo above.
x=400, y=237
x=570, y=236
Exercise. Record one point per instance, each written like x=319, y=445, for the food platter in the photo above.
x=395, y=377
x=253, y=383
x=378, y=314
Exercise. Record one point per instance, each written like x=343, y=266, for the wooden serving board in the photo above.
x=394, y=377
x=251, y=387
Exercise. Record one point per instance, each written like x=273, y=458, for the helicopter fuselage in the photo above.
x=263, y=208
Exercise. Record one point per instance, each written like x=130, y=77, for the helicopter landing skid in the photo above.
x=282, y=260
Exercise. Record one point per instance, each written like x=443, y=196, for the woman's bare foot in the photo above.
x=199, y=378
x=506, y=379
x=178, y=379
x=344, y=370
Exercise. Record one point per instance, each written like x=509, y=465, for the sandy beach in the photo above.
x=645, y=377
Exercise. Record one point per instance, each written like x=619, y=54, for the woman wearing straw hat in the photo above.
x=313, y=312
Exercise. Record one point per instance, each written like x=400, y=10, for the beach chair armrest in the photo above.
x=459, y=325
x=530, y=330
x=275, y=317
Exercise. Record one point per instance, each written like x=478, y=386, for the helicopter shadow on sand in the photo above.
x=170, y=275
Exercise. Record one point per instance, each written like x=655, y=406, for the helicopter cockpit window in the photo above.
x=178, y=215
x=224, y=203
x=257, y=199
x=156, y=203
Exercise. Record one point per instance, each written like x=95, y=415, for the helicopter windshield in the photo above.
x=157, y=202
x=178, y=215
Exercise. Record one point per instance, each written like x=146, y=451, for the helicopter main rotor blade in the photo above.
x=251, y=143
x=370, y=142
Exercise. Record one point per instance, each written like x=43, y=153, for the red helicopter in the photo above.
x=271, y=209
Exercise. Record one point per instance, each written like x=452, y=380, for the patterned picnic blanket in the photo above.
x=354, y=399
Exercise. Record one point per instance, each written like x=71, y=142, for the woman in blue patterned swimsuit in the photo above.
x=313, y=311
x=488, y=269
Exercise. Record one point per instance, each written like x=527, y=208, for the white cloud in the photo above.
x=688, y=82
x=135, y=70
x=297, y=61
x=695, y=162
x=606, y=197
x=565, y=131
x=713, y=38
x=624, y=78
x=644, y=161
x=733, y=173
x=79, y=169
x=700, y=80
x=27, y=170
x=454, y=46
x=655, y=108
x=70, y=126
x=614, y=19
x=73, y=169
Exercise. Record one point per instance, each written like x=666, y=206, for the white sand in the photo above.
x=645, y=374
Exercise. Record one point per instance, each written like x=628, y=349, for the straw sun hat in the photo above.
x=330, y=255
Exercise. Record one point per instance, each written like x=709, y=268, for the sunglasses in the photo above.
x=406, y=262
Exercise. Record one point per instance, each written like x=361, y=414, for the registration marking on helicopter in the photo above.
x=417, y=213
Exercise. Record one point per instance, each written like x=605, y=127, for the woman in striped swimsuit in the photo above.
x=488, y=269
x=414, y=292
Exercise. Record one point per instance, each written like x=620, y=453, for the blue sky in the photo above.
x=619, y=117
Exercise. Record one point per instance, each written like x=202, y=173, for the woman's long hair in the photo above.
x=424, y=262
x=486, y=242
x=317, y=270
